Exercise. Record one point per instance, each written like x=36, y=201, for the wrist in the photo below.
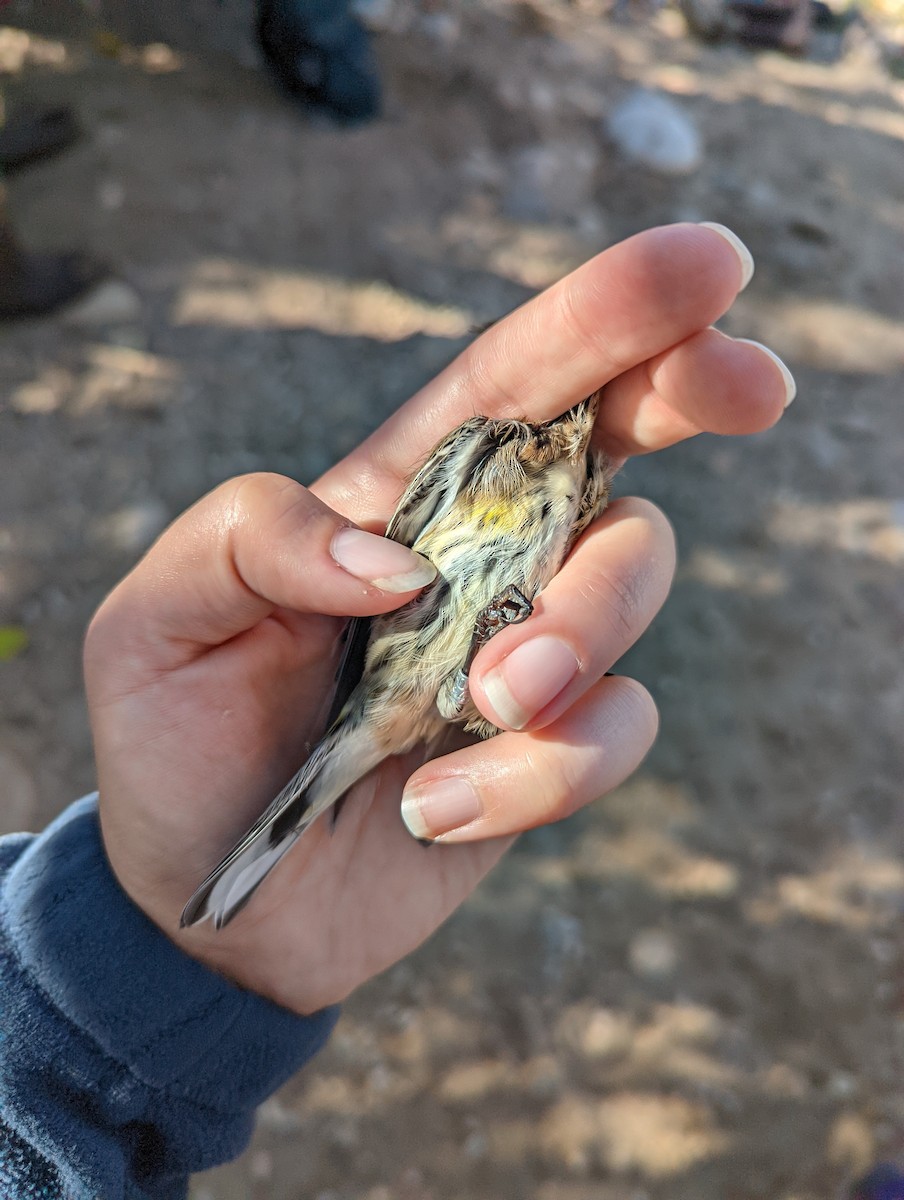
x=244, y=953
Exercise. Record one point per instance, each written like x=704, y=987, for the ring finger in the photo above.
x=607, y=593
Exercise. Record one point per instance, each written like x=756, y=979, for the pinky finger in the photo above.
x=516, y=781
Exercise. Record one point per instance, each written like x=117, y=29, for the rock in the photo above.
x=111, y=195
x=653, y=953
x=550, y=182
x=442, y=28
x=482, y=168
x=260, y=1168
x=563, y=943
x=134, y=527
x=476, y=1145
x=378, y=15
x=650, y=128
x=110, y=303
x=274, y=1117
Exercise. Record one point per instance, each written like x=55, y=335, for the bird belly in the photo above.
x=479, y=550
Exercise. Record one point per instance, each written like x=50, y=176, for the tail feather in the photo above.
x=336, y=763
x=229, y=889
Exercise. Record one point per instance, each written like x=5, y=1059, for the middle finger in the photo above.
x=618, y=310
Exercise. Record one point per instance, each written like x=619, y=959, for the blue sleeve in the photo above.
x=124, y=1064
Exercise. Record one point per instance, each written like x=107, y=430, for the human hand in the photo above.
x=208, y=668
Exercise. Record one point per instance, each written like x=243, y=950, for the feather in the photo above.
x=344, y=756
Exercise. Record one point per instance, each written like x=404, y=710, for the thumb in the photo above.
x=255, y=544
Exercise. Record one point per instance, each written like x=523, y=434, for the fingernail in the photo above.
x=439, y=807
x=790, y=385
x=380, y=561
x=529, y=678
x=739, y=248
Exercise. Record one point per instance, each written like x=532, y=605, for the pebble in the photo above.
x=133, y=527
x=260, y=1168
x=653, y=953
x=563, y=943
x=377, y=15
x=550, y=182
x=476, y=1145
x=442, y=28
x=111, y=195
x=650, y=128
x=274, y=1117
x=110, y=303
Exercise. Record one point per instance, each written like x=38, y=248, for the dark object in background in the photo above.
x=884, y=1182
x=30, y=134
x=321, y=55
x=783, y=24
x=34, y=284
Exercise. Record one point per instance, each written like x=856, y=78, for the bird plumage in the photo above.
x=496, y=507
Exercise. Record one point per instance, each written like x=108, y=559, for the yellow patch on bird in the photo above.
x=504, y=518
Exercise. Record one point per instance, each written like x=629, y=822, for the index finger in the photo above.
x=620, y=309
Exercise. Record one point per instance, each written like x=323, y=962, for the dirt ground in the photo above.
x=693, y=990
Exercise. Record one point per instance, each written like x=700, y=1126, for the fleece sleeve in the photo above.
x=124, y=1064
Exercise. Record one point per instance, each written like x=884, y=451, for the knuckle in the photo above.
x=619, y=599
x=560, y=786
x=248, y=496
x=572, y=312
x=276, y=503
x=630, y=578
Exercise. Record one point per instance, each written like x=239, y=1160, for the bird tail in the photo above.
x=338, y=761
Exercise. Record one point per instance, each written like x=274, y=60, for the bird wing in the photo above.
x=326, y=776
x=430, y=493
x=322, y=781
x=436, y=485
x=198, y=907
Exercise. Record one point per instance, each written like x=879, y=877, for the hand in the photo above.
x=209, y=667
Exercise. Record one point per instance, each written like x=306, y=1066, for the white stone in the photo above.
x=110, y=303
x=550, y=182
x=653, y=953
x=133, y=527
x=651, y=129
x=442, y=28
x=375, y=14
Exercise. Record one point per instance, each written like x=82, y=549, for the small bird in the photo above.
x=496, y=508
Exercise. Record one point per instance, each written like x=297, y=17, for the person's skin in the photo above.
x=209, y=667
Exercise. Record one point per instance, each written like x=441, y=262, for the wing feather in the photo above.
x=430, y=493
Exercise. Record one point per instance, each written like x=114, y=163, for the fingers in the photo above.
x=254, y=545
x=709, y=382
x=517, y=781
x=607, y=593
x=621, y=310
x=585, y=731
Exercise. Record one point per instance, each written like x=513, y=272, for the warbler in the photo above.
x=496, y=508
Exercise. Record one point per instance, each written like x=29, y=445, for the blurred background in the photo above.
x=694, y=988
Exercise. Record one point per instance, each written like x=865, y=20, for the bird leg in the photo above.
x=510, y=607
